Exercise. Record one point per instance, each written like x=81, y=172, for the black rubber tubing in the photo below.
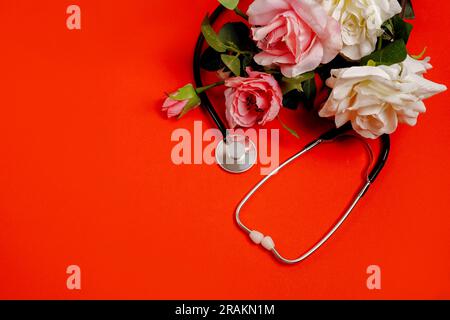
x=198, y=78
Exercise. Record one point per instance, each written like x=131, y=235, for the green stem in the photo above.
x=240, y=13
x=291, y=131
x=380, y=43
x=206, y=88
x=235, y=49
x=245, y=53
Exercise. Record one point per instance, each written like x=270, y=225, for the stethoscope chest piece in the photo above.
x=236, y=154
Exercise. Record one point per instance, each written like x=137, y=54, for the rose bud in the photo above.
x=181, y=101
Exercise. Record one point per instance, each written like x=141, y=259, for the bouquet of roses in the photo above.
x=346, y=59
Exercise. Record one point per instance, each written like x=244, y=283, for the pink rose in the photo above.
x=181, y=101
x=173, y=107
x=296, y=35
x=256, y=99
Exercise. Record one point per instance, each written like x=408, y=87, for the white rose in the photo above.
x=361, y=22
x=377, y=99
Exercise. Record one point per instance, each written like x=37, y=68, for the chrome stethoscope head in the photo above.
x=237, y=154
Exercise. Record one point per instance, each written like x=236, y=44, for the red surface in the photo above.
x=86, y=176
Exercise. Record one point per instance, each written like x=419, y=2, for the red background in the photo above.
x=86, y=176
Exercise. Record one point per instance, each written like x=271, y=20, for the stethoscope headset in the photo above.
x=230, y=163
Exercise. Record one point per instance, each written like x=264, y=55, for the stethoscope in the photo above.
x=237, y=154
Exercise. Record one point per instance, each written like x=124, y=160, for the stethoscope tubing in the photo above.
x=325, y=238
x=328, y=136
x=371, y=177
x=206, y=103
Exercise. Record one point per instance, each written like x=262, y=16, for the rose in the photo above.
x=181, y=101
x=173, y=107
x=376, y=99
x=296, y=35
x=256, y=99
x=361, y=22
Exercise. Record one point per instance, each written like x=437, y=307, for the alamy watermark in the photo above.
x=74, y=277
x=73, y=21
x=374, y=279
x=199, y=146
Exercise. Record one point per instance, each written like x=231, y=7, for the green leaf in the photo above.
x=211, y=60
x=402, y=29
x=185, y=93
x=389, y=28
x=295, y=83
x=191, y=105
x=235, y=34
x=306, y=96
x=420, y=55
x=392, y=54
x=291, y=131
x=246, y=61
x=309, y=93
x=211, y=36
x=233, y=63
x=408, y=12
x=229, y=4
x=396, y=29
x=189, y=93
